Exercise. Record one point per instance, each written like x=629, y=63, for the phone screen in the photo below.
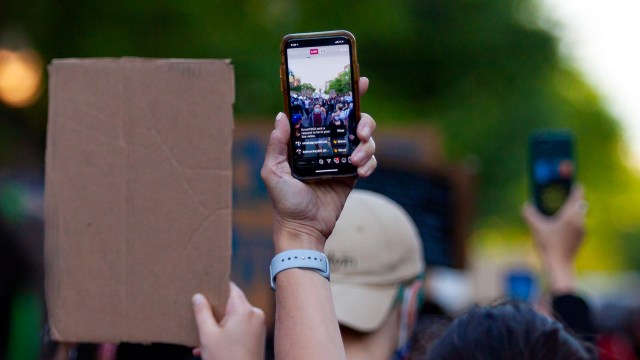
x=552, y=169
x=322, y=105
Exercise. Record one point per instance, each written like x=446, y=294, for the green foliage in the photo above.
x=482, y=71
x=341, y=84
x=305, y=89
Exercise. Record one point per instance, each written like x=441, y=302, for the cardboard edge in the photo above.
x=48, y=219
x=55, y=334
x=138, y=58
x=232, y=72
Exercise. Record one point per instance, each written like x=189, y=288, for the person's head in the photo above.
x=507, y=331
x=376, y=260
x=316, y=108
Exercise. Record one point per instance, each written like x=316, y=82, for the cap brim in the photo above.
x=363, y=308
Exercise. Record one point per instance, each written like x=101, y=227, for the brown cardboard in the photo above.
x=138, y=197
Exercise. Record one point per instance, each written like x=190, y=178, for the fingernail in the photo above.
x=280, y=116
x=362, y=172
x=356, y=156
x=197, y=299
x=366, y=132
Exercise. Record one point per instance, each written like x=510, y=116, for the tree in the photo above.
x=341, y=84
x=482, y=71
x=307, y=89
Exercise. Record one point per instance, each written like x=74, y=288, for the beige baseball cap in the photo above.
x=374, y=249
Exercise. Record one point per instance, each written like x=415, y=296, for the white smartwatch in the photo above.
x=301, y=259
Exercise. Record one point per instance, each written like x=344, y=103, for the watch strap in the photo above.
x=299, y=259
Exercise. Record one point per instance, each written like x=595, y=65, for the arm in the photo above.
x=558, y=239
x=304, y=216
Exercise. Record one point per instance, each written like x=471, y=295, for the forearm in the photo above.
x=306, y=324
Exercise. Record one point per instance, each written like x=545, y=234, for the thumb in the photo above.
x=207, y=324
x=278, y=146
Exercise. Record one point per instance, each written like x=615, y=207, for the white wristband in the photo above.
x=301, y=259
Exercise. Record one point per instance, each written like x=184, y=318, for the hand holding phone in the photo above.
x=320, y=83
x=558, y=239
x=306, y=212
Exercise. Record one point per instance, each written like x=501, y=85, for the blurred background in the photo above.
x=475, y=76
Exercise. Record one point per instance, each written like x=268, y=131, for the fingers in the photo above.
x=207, y=324
x=368, y=168
x=238, y=306
x=363, y=85
x=574, y=200
x=362, y=156
x=363, y=153
x=575, y=196
x=237, y=301
x=366, y=127
x=574, y=209
x=197, y=352
x=277, y=149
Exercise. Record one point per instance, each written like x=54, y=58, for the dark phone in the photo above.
x=552, y=168
x=319, y=79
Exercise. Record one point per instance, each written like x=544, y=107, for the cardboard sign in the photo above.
x=137, y=197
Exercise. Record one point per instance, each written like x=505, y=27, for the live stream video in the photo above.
x=321, y=108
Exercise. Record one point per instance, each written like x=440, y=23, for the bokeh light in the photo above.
x=20, y=77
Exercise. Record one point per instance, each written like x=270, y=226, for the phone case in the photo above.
x=285, y=95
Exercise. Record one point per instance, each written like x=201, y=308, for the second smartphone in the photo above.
x=552, y=168
x=319, y=79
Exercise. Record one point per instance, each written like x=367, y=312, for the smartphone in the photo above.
x=319, y=79
x=521, y=285
x=552, y=168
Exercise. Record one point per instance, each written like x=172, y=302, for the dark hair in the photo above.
x=508, y=331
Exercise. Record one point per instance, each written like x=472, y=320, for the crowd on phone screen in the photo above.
x=335, y=113
x=318, y=111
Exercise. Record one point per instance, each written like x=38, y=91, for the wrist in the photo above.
x=294, y=242
x=562, y=276
x=287, y=236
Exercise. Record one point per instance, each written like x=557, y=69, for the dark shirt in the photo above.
x=574, y=312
